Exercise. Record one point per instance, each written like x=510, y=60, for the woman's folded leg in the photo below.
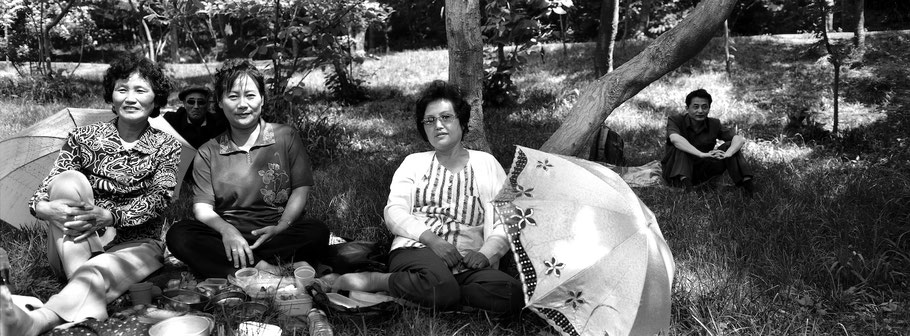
x=200, y=247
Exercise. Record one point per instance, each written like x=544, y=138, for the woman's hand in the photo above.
x=58, y=211
x=445, y=250
x=265, y=234
x=475, y=260
x=236, y=248
x=91, y=219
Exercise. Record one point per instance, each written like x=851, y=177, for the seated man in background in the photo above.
x=691, y=157
x=193, y=121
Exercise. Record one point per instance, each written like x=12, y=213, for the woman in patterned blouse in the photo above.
x=118, y=174
x=447, y=246
x=250, y=188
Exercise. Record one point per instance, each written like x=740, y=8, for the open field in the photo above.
x=822, y=249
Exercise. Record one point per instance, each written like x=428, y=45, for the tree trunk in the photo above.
x=150, y=41
x=175, y=38
x=835, y=59
x=727, y=57
x=606, y=37
x=45, y=47
x=665, y=54
x=466, y=63
x=859, y=32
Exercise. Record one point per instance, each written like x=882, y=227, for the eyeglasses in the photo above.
x=445, y=119
x=196, y=102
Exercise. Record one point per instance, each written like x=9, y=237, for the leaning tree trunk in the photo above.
x=606, y=37
x=665, y=54
x=466, y=63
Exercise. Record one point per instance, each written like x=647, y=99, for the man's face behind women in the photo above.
x=196, y=105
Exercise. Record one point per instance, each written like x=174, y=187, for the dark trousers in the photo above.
x=201, y=248
x=420, y=276
x=677, y=164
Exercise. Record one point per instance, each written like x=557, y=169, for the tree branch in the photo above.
x=63, y=12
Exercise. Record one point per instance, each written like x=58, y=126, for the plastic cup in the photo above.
x=246, y=276
x=141, y=293
x=304, y=276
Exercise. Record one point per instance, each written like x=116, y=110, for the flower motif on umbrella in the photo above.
x=521, y=191
x=523, y=217
x=575, y=299
x=545, y=164
x=554, y=267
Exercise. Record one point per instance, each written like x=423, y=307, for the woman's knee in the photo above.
x=180, y=236
x=432, y=290
x=71, y=185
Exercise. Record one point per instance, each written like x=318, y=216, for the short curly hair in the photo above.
x=233, y=69
x=441, y=90
x=124, y=66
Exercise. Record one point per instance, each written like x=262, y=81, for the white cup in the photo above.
x=304, y=276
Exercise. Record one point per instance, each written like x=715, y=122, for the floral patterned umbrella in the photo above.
x=590, y=254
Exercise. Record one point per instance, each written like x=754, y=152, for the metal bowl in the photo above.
x=184, y=300
x=228, y=299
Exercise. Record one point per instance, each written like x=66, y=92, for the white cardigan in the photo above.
x=490, y=178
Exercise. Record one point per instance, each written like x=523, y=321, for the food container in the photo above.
x=228, y=299
x=188, y=325
x=258, y=329
x=183, y=300
x=295, y=304
x=266, y=287
x=212, y=286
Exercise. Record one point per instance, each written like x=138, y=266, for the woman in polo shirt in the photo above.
x=447, y=245
x=251, y=187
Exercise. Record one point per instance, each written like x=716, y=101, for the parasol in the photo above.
x=590, y=254
x=29, y=155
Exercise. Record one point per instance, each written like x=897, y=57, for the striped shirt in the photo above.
x=449, y=205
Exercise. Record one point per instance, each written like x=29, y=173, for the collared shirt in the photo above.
x=135, y=184
x=703, y=136
x=250, y=189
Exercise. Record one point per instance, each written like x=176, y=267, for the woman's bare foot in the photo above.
x=364, y=282
x=15, y=321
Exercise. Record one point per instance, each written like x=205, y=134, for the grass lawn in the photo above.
x=822, y=248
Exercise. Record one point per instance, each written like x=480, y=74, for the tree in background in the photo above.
x=606, y=38
x=32, y=25
x=298, y=36
x=466, y=63
x=516, y=24
x=665, y=54
x=859, y=29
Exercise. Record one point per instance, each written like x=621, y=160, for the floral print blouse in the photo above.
x=250, y=189
x=135, y=184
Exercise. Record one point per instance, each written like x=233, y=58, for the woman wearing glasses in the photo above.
x=447, y=246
